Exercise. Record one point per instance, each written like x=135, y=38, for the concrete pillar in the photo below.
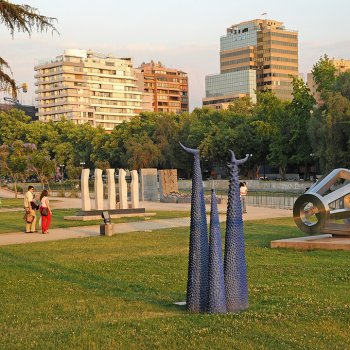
x=135, y=201
x=111, y=189
x=98, y=190
x=84, y=185
x=123, y=190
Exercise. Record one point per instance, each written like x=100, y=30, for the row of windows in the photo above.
x=286, y=52
x=237, y=53
x=278, y=75
x=275, y=66
x=281, y=59
x=237, y=69
x=283, y=43
x=240, y=60
x=275, y=82
x=282, y=35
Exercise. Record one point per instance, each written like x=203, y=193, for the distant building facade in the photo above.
x=87, y=87
x=168, y=86
x=255, y=55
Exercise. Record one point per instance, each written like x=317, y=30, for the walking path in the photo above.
x=254, y=213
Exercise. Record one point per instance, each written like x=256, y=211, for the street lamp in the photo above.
x=313, y=155
x=82, y=164
x=62, y=170
x=250, y=155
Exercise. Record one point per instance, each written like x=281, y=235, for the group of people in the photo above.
x=30, y=207
x=243, y=190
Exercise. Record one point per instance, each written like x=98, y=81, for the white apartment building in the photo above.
x=87, y=87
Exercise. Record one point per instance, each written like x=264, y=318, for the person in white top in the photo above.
x=243, y=192
x=30, y=212
x=45, y=212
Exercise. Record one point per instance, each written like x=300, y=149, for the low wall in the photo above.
x=253, y=185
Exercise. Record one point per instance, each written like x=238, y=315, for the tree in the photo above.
x=300, y=110
x=42, y=166
x=142, y=152
x=324, y=75
x=20, y=18
x=14, y=161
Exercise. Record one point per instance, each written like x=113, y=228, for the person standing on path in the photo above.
x=243, y=191
x=28, y=200
x=45, y=212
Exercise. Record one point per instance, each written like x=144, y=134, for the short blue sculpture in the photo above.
x=217, y=295
x=197, y=283
x=235, y=262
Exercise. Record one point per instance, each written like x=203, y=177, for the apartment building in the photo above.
x=87, y=87
x=168, y=86
x=255, y=55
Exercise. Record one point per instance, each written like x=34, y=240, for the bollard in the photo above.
x=106, y=230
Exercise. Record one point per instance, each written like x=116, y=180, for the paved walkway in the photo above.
x=254, y=213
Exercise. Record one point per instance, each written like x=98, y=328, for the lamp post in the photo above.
x=82, y=164
x=250, y=155
x=62, y=170
x=312, y=155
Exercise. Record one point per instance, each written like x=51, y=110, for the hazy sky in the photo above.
x=182, y=34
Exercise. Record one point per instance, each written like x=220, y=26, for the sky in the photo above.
x=182, y=34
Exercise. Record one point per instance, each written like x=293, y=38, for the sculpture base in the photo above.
x=323, y=242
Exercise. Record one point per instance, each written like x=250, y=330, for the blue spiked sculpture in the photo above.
x=235, y=262
x=217, y=295
x=197, y=283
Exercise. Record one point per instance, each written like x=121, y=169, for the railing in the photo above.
x=282, y=200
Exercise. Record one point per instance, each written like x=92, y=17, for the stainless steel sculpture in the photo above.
x=325, y=207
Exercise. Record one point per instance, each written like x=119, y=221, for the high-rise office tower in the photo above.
x=255, y=55
x=168, y=86
x=87, y=87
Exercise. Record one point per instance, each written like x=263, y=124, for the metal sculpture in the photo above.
x=322, y=206
x=217, y=295
x=235, y=262
x=197, y=283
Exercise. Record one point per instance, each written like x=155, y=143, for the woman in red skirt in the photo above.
x=45, y=212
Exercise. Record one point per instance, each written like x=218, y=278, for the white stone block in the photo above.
x=135, y=200
x=98, y=190
x=112, y=204
x=123, y=190
x=85, y=195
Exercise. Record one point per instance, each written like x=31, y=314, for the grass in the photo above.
x=13, y=221
x=6, y=203
x=118, y=293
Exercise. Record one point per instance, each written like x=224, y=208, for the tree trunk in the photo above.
x=282, y=171
x=15, y=187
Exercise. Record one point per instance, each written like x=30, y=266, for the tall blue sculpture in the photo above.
x=234, y=261
x=197, y=283
x=217, y=295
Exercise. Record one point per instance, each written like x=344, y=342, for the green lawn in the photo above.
x=118, y=293
x=13, y=221
x=11, y=203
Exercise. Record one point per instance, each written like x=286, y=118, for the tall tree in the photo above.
x=14, y=160
x=324, y=75
x=20, y=18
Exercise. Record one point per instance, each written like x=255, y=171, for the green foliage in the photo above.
x=14, y=161
x=324, y=73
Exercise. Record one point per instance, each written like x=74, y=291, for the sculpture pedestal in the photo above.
x=323, y=242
